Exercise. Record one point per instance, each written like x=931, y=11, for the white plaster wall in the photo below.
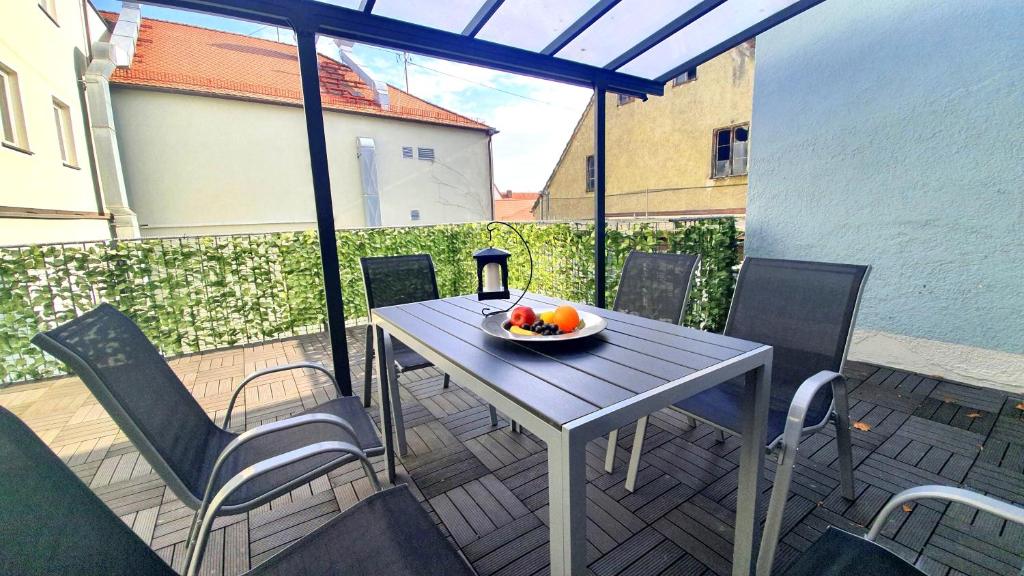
x=22, y=231
x=888, y=133
x=202, y=165
x=48, y=59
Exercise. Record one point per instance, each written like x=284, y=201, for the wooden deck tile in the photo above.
x=486, y=487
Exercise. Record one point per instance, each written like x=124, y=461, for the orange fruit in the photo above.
x=566, y=318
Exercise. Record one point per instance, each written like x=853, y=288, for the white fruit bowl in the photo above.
x=590, y=324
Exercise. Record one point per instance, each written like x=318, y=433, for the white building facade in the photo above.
x=49, y=188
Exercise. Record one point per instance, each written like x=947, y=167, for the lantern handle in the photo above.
x=490, y=240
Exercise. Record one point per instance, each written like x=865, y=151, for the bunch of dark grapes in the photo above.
x=544, y=329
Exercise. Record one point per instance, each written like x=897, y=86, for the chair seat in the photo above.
x=406, y=358
x=349, y=408
x=387, y=533
x=839, y=553
x=722, y=405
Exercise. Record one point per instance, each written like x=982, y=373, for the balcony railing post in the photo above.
x=309, y=71
x=599, y=192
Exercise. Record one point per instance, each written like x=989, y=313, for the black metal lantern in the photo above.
x=492, y=270
x=491, y=274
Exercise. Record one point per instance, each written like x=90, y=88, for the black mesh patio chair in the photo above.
x=390, y=281
x=806, y=312
x=839, y=553
x=194, y=456
x=654, y=285
x=52, y=523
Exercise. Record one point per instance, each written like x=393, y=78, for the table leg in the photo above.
x=567, y=509
x=755, y=415
x=384, y=352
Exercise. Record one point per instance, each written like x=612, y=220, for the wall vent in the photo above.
x=425, y=154
x=406, y=151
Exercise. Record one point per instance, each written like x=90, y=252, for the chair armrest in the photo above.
x=802, y=403
x=259, y=469
x=263, y=430
x=790, y=440
x=261, y=373
x=988, y=504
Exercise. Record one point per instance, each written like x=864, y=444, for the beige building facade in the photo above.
x=49, y=186
x=196, y=165
x=681, y=154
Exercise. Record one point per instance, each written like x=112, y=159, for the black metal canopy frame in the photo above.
x=667, y=43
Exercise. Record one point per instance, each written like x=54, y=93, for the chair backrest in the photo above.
x=656, y=285
x=51, y=523
x=805, y=311
x=133, y=382
x=394, y=280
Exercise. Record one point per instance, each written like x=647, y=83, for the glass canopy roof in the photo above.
x=626, y=46
x=651, y=39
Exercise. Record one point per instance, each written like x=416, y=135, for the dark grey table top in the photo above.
x=562, y=381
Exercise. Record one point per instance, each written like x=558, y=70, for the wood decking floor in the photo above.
x=487, y=488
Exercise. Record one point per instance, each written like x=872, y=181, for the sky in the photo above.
x=534, y=117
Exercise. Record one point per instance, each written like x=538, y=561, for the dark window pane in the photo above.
x=687, y=76
x=723, y=153
x=723, y=138
x=742, y=133
x=591, y=174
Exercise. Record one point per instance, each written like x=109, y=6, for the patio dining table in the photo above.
x=568, y=393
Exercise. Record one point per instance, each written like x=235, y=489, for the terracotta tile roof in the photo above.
x=515, y=206
x=531, y=196
x=213, y=62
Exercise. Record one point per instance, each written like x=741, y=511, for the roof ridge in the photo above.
x=208, y=29
x=428, y=103
x=160, y=65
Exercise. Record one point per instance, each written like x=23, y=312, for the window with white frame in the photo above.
x=65, y=135
x=731, y=151
x=686, y=77
x=50, y=7
x=12, y=122
x=591, y=174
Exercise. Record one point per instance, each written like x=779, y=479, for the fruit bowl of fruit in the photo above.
x=543, y=325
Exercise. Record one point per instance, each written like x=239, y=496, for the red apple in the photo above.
x=523, y=316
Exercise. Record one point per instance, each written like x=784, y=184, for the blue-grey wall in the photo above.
x=889, y=132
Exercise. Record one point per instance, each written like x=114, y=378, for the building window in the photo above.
x=406, y=151
x=50, y=7
x=731, y=147
x=625, y=99
x=686, y=77
x=65, y=136
x=12, y=123
x=414, y=215
x=425, y=154
x=591, y=174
